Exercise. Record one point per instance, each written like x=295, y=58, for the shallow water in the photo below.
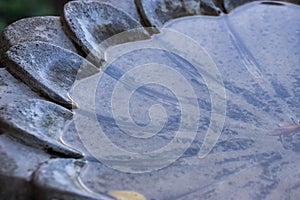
x=214, y=87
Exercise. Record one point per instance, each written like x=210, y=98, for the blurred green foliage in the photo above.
x=11, y=11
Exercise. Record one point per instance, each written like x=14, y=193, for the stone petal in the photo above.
x=91, y=23
x=47, y=69
x=18, y=163
x=229, y=5
x=127, y=6
x=45, y=29
x=12, y=89
x=37, y=123
x=59, y=178
x=156, y=13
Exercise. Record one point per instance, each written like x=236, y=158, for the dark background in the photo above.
x=12, y=10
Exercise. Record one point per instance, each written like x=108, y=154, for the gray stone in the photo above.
x=47, y=69
x=91, y=23
x=128, y=6
x=229, y=5
x=236, y=144
x=262, y=48
x=71, y=138
x=260, y=71
x=265, y=180
x=60, y=179
x=156, y=13
x=258, y=50
x=211, y=7
x=18, y=163
x=12, y=89
x=46, y=29
x=192, y=175
x=259, y=67
x=37, y=123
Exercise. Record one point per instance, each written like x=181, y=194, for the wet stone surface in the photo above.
x=59, y=178
x=12, y=89
x=229, y=5
x=249, y=160
x=37, y=123
x=45, y=69
x=91, y=23
x=291, y=141
x=54, y=152
x=45, y=29
x=18, y=163
x=156, y=13
x=128, y=7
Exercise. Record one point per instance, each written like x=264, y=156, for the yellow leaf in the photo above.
x=126, y=195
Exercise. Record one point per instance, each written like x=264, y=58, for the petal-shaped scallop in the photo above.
x=47, y=69
x=12, y=89
x=258, y=61
x=37, y=123
x=127, y=6
x=229, y=5
x=92, y=22
x=157, y=12
x=61, y=178
x=45, y=29
x=18, y=163
x=257, y=58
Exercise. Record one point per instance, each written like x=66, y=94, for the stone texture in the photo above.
x=127, y=6
x=229, y=5
x=259, y=67
x=60, y=179
x=217, y=175
x=211, y=7
x=47, y=69
x=257, y=56
x=46, y=29
x=18, y=163
x=12, y=89
x=37, y=123
x=91, y=23
x=156, y=13
x=71, y=138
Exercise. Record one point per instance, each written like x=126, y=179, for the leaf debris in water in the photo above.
x=126, y=195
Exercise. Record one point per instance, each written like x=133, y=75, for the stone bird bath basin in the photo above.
x=152, y=100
